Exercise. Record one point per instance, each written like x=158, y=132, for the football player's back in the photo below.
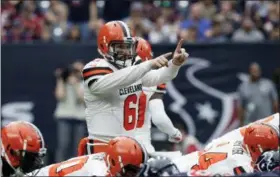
x=227, y=158
x=89, y=165
x=238, y=134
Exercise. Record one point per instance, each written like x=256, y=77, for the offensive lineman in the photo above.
x=238, y=134
x=232, y=157
x=22, y=148
x=113, y=87
x=123, y=158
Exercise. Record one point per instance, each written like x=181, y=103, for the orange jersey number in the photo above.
x=207, y=159
x=67, y=167
x=130, y=108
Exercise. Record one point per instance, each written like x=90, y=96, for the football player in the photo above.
x=113, y=85
x=266, y=165
x=232, y=157
x=23, y=148
x=238, y=134
x=123, y=158
x=154, y=109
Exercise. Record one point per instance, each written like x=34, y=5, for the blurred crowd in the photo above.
x=157, y=21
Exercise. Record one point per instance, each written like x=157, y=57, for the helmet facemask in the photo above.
x=31, y=161
x=122, y=53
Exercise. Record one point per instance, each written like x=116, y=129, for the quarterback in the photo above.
x=113, y=84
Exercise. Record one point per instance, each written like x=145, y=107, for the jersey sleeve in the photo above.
x=100, y=79
x=160, y=118
x=94, y=70
x=162, y=75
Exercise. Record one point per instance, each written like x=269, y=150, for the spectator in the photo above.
x=74, y=34
x=94, y=27
x=272, y=18
x=137, y=21
x=215, y=34
x=26, y=26
x=166, y=27
x=257, y=97
x=156, y=35
x=190, y=35
x=196, y=19
x=159, y=21
x=247, y=32
x=81, y=13
x=69, y=111
x=230, y=17
x=275, y=34
x=56, y=17
x=210, y=9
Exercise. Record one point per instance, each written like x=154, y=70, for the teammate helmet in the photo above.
x=23, y=146
x=158, y=166
x=116, y=43
x=143, y=49
x=259, y=138
x=268, y=161
x=124, y=156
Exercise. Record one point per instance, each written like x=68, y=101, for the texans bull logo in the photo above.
x=203, y=95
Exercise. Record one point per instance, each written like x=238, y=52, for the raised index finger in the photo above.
x=179, y=46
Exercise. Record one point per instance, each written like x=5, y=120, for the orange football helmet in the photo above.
x=23, y=146
x=124, y=156
x=259, y=138
x=116, y=43
x=143, y=49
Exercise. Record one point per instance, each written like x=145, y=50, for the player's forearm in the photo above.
x=160, y=118
x=161, y=75
x=120, y=78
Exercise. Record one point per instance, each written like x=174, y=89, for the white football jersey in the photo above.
x=89, y=165
x=228, y=158
x=115, y=103
x=143, y=134
x=238, y=134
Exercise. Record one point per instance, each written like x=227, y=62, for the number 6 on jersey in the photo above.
x=130, y=110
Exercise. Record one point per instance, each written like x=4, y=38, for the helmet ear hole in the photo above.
x=135, y=146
